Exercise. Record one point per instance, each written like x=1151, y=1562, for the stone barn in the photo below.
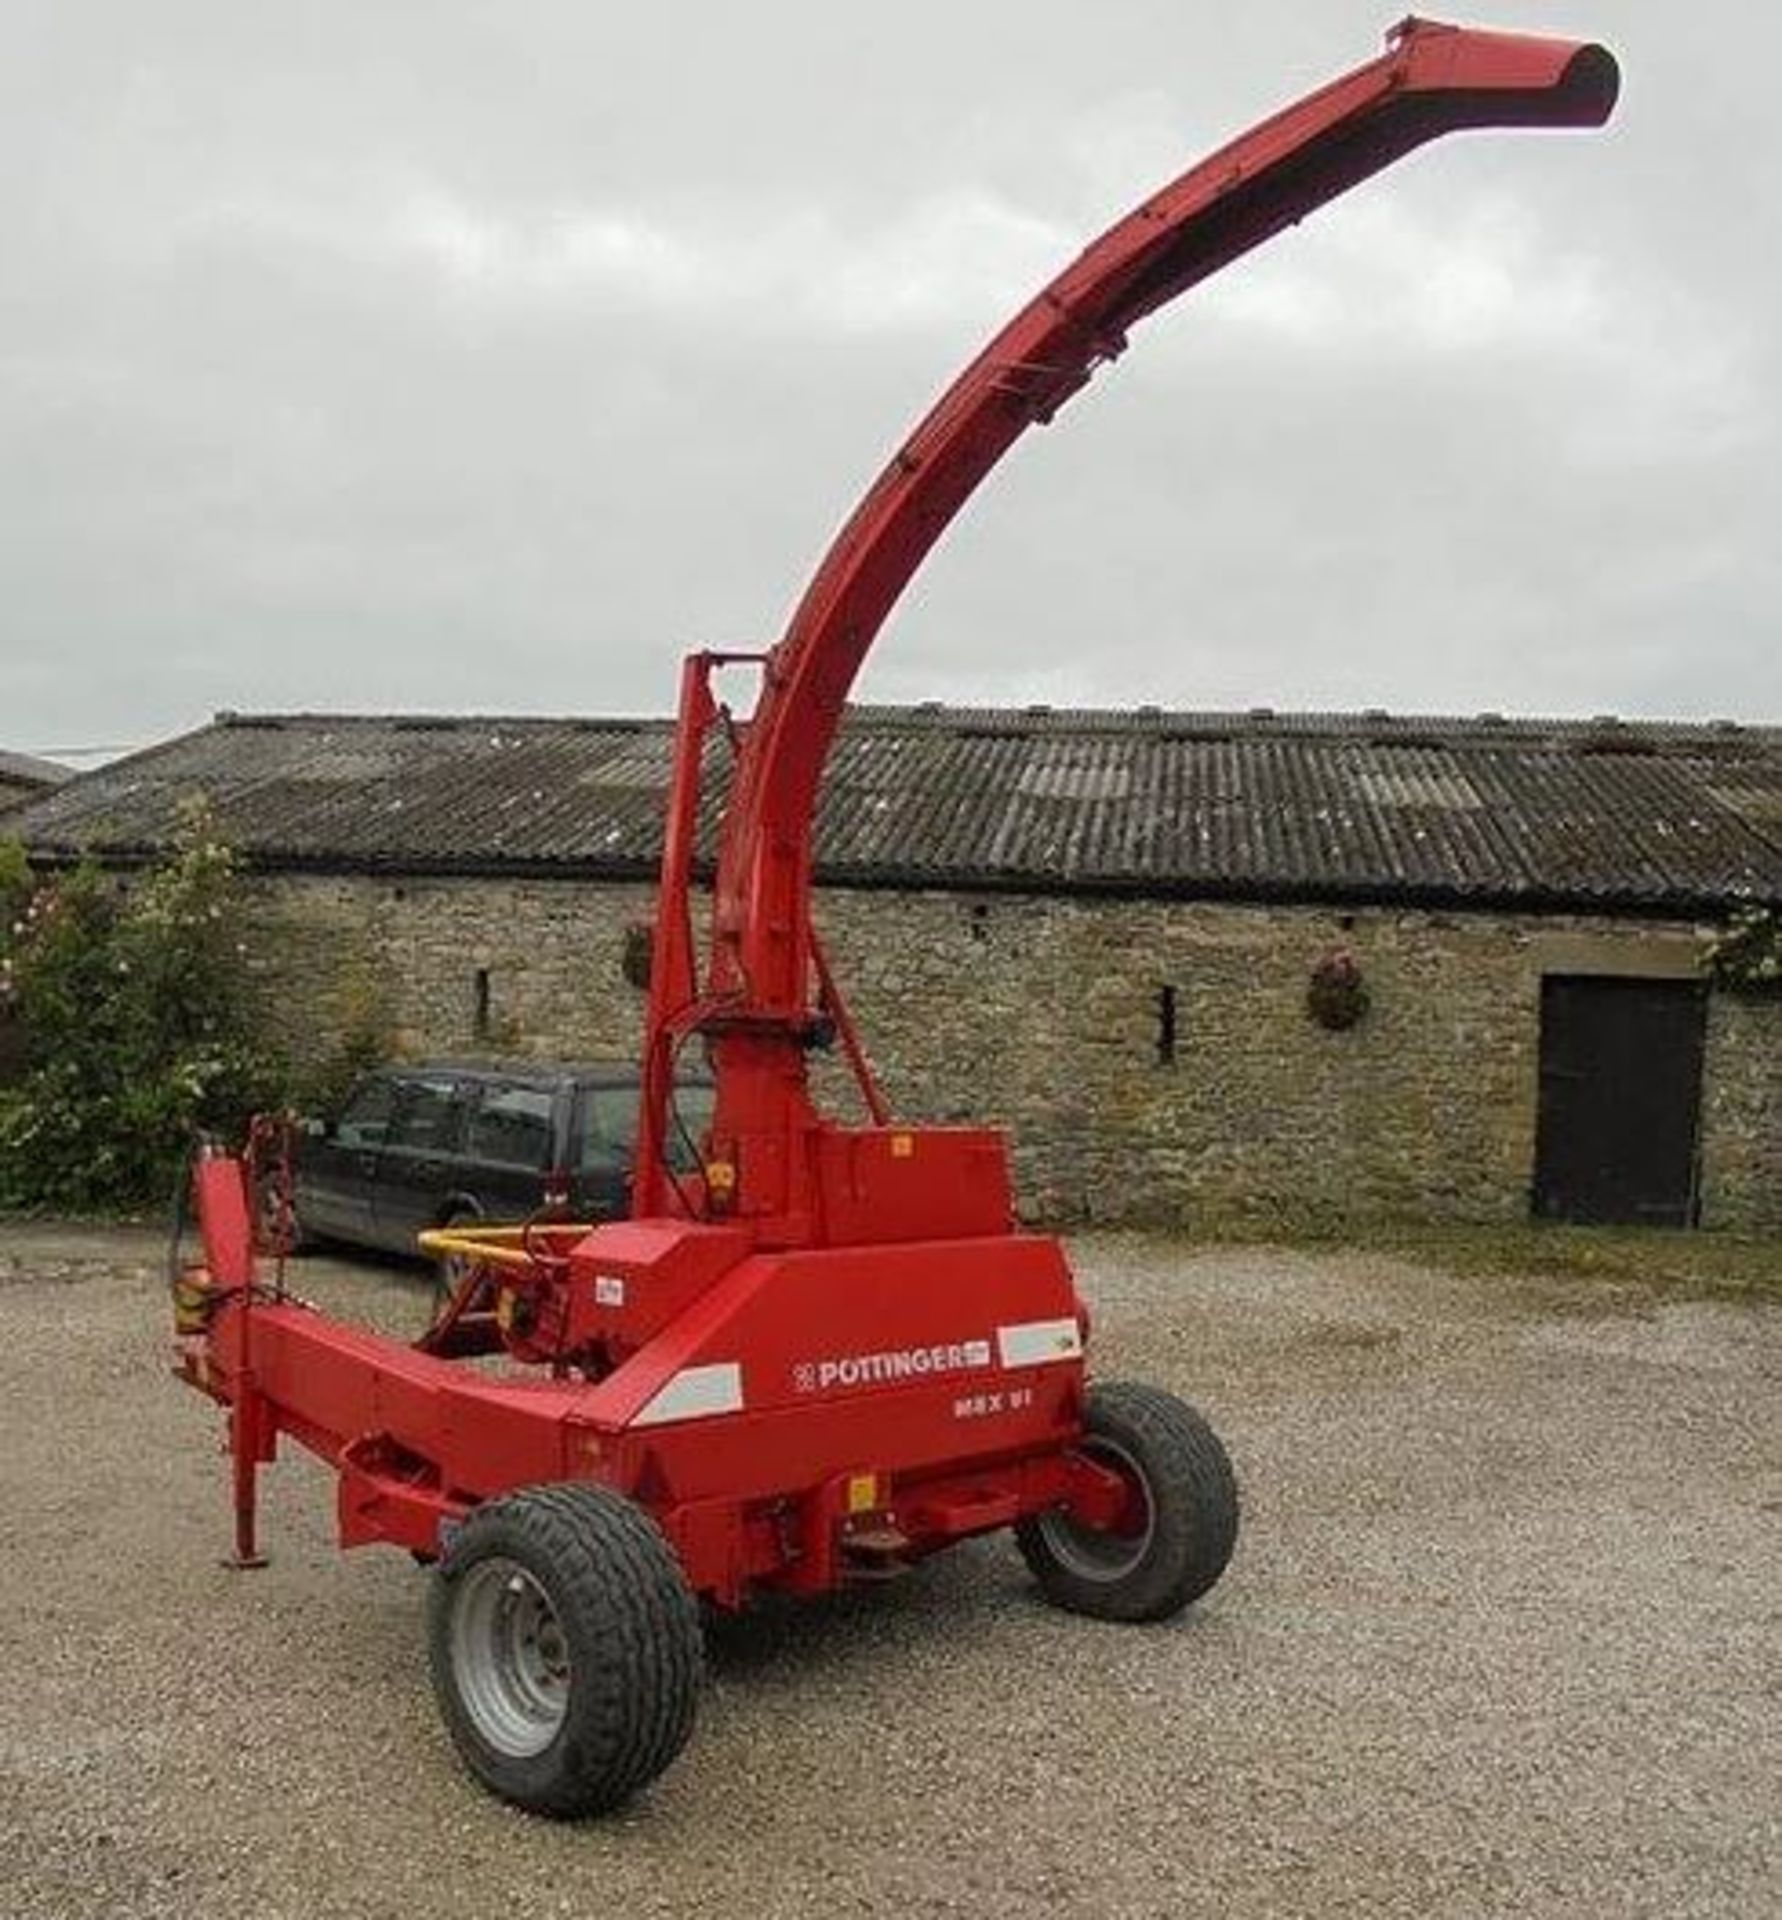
x=1202, y=965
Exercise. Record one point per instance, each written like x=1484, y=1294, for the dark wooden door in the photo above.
x=1621, y=1080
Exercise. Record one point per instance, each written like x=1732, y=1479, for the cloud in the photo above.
x=1483, y=278
x=454, y=357
x=790, y=270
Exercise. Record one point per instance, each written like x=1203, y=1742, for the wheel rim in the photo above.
x=510, y=1659
x=449, y=1274
x=1104, y=1554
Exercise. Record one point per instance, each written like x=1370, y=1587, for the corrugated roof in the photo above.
x=1596, y=813
x=32, y=770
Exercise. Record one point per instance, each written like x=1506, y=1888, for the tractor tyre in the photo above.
x=1181, y=1523
x=565, y=1648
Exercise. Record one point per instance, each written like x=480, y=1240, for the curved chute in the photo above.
x=1432, y=80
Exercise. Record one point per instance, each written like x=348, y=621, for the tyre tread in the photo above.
x=616, y=1585
x=1195, y=1495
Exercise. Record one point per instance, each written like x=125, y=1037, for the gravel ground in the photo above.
x=1501, y=1638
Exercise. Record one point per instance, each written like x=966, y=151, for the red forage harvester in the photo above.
x=833, y=1351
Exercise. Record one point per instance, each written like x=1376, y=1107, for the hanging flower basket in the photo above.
x=1746, y=957
x=634, y=961
x=1337, y=996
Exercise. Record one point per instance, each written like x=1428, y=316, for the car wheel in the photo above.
x=451, y=1270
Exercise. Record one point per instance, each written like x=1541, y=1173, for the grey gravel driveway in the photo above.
x=1501, y=1638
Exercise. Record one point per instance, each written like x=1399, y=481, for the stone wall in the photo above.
x=403, y=957
x=1742, y=1113
x=1046, y=1015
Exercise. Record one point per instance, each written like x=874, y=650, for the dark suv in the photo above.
x=416, y=1147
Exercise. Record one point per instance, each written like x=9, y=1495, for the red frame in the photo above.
x=835, y=1345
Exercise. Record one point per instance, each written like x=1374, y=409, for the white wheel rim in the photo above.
x=510, y=1659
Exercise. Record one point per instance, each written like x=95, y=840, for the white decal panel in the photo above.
x=1032, y=1343
x=694, y=1393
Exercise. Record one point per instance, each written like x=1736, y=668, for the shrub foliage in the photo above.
x=131, y=1021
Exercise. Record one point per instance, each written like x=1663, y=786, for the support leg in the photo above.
x=244, y=1446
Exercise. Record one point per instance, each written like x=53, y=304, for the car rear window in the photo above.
x=688, y=1120
x=512, y=1127
x=612, y=1128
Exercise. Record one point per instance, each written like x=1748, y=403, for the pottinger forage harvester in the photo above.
x=831, y=1352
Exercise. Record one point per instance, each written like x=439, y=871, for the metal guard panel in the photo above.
x=896, y=1184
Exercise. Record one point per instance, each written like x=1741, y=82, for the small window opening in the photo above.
x=1166, y=1026
x=980, y=922
x=479, y=1018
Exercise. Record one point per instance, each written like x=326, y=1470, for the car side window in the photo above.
x=365, y=1120
x=512, y=1127
x=429, y=1117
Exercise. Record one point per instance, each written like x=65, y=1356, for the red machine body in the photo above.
x=835, y=1349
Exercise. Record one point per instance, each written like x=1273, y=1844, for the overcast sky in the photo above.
x=485, y=357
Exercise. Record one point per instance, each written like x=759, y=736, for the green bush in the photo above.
x=16, y=884
x=133, y=1024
